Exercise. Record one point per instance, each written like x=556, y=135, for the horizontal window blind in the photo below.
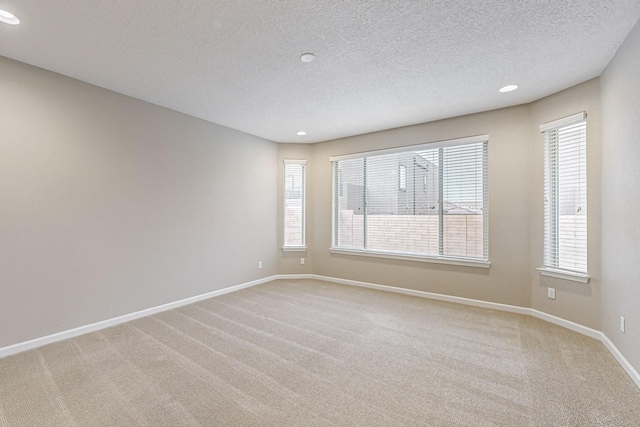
x=428, y=200
x=294, y=203
x=565, y=186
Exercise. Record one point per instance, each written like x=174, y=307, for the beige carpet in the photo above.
x=310, y=353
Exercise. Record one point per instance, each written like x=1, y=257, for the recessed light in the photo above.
x=301, y=133
x=307, y=57
x=8, y=18
x=509, y=88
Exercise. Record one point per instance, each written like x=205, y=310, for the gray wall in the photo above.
x=516, y=210
x=621, y=198
x=110, y=205
x=578, y=302
x=516, y=166
x=509, y=279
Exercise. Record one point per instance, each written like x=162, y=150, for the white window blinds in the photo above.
x=294, y=203
x=427, y=201
x=565, y=188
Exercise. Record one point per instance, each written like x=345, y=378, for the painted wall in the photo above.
x=621, y=198
x=516, y=166
x=508, y=280
x=578, y=302
x=110, y=205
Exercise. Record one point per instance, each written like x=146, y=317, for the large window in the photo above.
x=426, y=202
x=294, y=209
x=565, y=198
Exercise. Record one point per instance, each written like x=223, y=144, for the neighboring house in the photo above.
x=397, y=205
x=413, y=192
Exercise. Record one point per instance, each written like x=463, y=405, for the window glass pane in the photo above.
x=390, y=203
x=350, y=204
x=402, y=180
x=463, y=201
x=401, y=220
x=294, y=204
x=566, y=198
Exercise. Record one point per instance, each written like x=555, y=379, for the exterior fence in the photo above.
x=413, y=233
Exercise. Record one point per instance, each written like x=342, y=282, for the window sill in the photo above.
x=294, y=249
x=564, y=274
x=407, y=257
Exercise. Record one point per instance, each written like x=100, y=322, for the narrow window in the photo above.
x=294, y=204
x=565, y=197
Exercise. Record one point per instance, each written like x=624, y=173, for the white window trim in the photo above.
x=409, y=257
x=427, y=146
x=575, y=118
x=564, y=274
x=550, y=271
x=296, y=248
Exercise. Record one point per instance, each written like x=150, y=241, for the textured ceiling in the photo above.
x=380, y=64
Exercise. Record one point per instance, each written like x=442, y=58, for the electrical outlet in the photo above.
x=259, y=264
x=301, y=261
x=622, y=324
x=551, y=293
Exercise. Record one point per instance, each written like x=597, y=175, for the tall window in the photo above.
x=294, y=209
x=427, y=201
x=565, y=196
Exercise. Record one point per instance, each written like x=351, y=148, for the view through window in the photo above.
x=294, y=203
x=428, y=200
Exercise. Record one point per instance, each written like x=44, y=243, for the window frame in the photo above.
x=551, y=233
x=430, y=258
x=303, y=246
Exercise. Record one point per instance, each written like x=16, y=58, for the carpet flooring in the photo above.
x=311, y=353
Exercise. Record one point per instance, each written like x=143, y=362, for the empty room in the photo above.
x=319, y=213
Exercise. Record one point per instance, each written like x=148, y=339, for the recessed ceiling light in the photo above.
x=8, y=18
x=307, y=57
x=509, y=88
x=301, y=133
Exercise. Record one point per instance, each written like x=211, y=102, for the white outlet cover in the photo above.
x=551, y=293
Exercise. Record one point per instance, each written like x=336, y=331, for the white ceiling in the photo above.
x=380, y=64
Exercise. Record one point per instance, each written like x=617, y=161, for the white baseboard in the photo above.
x=60, y=336
x=429, y=295
x=576, y=327
x=38, y=342
x=629, y=369
x=294, y=276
